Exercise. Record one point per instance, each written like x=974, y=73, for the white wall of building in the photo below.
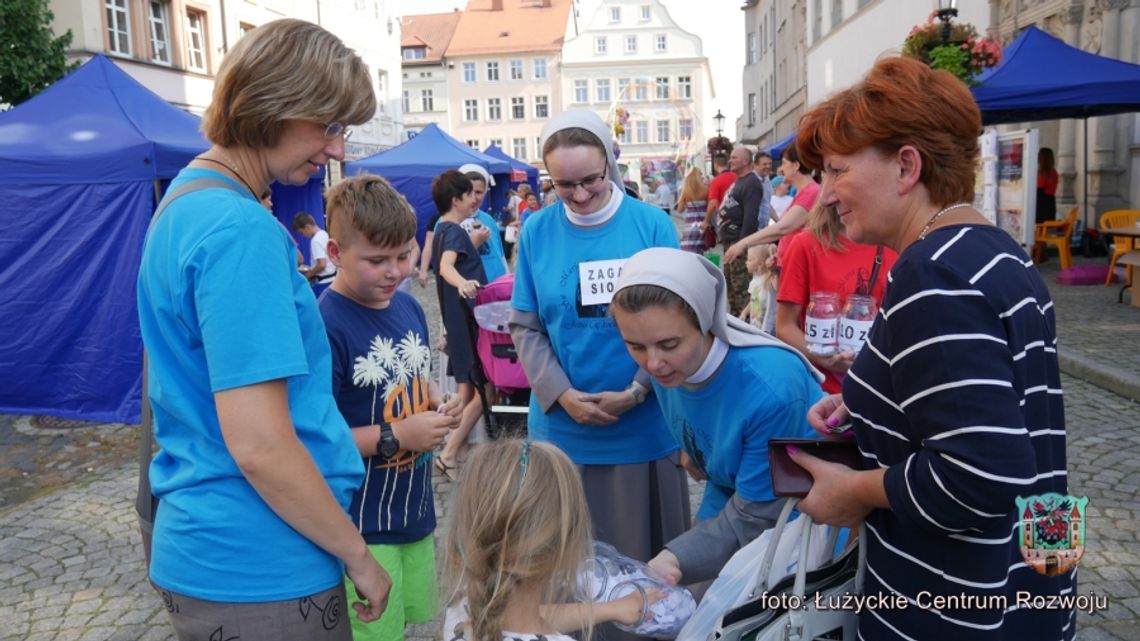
x=843, y=54
x=682, y=57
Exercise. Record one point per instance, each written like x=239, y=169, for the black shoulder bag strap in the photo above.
x=146, y=504
x=875, y=269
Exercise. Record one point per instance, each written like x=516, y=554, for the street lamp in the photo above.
x=947, y=11
x=719, y=118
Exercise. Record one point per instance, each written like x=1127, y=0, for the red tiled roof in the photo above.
x=519, y=26
x=433, y=30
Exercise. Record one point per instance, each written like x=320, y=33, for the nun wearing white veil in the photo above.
x=725, y=388
x=586, y=398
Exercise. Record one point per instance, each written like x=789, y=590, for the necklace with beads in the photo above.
x=936, y=216
x=234, y=172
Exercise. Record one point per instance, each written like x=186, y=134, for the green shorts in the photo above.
x=413, y=596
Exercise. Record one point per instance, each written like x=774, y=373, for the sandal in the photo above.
x=450, y=472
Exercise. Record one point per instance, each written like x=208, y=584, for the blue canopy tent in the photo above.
x=520, y=172
x=81, y=166
x=777, y=149
x=1043, y=78
x=411, y=166
x=79, y=169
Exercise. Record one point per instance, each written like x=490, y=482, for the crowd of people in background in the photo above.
x=296, y=402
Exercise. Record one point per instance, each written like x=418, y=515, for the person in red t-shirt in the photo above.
x=718, y=187
x=807, y=190
x=822, y=259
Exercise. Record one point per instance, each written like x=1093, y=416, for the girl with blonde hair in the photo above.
x=518, y=538
x=692, y=205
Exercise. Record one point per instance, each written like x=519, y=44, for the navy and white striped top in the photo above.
x=958, y=395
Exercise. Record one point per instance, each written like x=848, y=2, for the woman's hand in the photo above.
x=695, y=472
x=828, y=413
x=616, y=403
x=584, y=409
x=372, y=586
x=837, y=495
x=735, y=251
x=667, y=566
x=469, y=289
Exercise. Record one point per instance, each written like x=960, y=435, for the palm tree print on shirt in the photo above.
x=398, y=373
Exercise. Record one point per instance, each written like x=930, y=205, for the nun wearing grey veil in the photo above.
x=588, y=397
x=725, y=388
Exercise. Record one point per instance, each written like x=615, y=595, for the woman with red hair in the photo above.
x=956, y=400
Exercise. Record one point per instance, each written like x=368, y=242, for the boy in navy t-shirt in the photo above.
x=381, y=381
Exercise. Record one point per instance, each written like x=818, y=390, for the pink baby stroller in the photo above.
x=499, y=360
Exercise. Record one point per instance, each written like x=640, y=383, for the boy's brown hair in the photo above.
x=368, y=206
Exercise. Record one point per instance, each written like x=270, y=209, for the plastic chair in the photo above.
x=1058, y=233
x=1121, y=245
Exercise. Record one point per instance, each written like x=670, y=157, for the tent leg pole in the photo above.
x=1086, y=173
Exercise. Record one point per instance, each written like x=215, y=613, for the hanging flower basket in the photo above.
x=964, y=54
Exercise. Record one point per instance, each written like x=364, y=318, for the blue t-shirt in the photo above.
x=222, y=306
x=584, y=337
x=491, y=251
x=726, y=432
x=381, y=368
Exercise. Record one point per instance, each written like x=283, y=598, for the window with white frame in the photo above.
x=498, y=142
x=494, y=109
x=600, y=45
x=518, y=108
x=159, y=32
x=753, y=48
x=473, y=143
x=615, y=14
x=407, y=101
x=471, y=110
x=631, y=44
x=414, y=53
x=492, y=72
x=427, y=101
x=685, y=87
x=685, y=128
x=538, y=146
x=662, y=85
x=626, y=135
x=602, y=89
x=752, y=107
x=581, y=91
x=381, y=90
x=469, y=72
x=641, y=89
x=623, y=89
x=118, y=27
x=659, y=43
x=196, y=40
x=645, y=13
x=663, y=131
x=518, y=148
x=516, y=69
x=641, y=129
x=541, y=106
x=540, y=72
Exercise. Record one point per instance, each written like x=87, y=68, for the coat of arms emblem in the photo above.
x=1052, y=531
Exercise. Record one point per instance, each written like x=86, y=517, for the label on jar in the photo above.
x=598, y=280
x=820, y=334
x=853, y=334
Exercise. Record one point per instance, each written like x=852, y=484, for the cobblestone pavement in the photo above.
x=71, y=563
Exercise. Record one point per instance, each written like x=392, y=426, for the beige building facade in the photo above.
x=503, y=73
x=632, y=54
x=174, y=47
x=424, y=94
x=775, y=78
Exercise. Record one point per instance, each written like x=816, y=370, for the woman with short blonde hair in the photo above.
x=256, y=467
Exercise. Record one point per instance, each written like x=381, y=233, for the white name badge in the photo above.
x=597, y=280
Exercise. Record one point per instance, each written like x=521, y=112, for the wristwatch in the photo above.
x=388, y=444
x=637, y=391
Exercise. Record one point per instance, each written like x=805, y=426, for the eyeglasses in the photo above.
x=334, y=129
x=587, y=183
